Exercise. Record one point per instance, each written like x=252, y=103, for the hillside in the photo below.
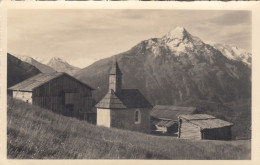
x=173, y=69
x=18, y=70
x=35, y=133
x=39, y=65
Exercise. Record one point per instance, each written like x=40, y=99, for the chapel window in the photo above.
x=137, y=117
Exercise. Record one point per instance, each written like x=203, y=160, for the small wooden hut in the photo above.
x=58, y=92
x=165, y=117
x=203, y=126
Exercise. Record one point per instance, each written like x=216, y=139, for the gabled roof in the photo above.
x=205, y=121
x=115, y=69
x=40, y=79
x=111, y=101
x=171, y=112
x=126, y=98
x=165, y=123
x=197, y=117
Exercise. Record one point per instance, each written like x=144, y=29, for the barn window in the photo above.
x=137, y=117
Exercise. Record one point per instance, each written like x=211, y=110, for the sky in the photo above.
x=84, y=36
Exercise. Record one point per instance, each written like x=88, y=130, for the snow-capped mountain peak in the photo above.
x=61, y=65
x=180, y=62
x=57, y=59
x=180, y=40
x=234, y=53
x=177, y=33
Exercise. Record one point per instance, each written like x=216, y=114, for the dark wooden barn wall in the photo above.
x=51, y=95
x=223, y=133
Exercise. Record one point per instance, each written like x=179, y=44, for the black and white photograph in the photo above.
x=131, y=84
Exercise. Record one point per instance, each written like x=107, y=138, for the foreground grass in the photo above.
x=35, y=133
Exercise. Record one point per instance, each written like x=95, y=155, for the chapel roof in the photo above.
x=125, y=99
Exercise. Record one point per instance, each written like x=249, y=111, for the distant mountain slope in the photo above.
x=174, y=68
x=42, y=67
x=18, y=70
x=62, y=66
x=36, y=133
x=234, y=53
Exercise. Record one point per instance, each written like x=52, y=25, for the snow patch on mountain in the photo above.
x=177, y=33
x=234, y=53
x=174, y=68
x=57, y=59
x=37, y=62
x=180, y=40
x=61, y=65
x=29, y=59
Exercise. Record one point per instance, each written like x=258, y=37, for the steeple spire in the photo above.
x=115, y=70
x=115, y=78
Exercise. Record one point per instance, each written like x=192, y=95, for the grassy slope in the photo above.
x=37, y=133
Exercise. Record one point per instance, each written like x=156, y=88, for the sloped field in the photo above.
x=36, y=133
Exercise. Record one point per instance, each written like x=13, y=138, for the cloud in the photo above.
x=232, y=18
x=79, y=34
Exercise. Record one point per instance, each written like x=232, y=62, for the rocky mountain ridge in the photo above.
x=40, y=65
x=55, y=64
x=173, y=69
x=235, y=53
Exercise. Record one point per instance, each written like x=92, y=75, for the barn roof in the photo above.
x=39, y=79
x=171, y=112
x=165, y=123
x=126, y=98
x=205, y=121
x=197, y=117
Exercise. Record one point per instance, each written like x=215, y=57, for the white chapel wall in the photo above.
x=103, y=117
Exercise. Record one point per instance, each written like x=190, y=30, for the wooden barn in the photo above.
x=203, y=126
x=59, y=92
x=165, y=118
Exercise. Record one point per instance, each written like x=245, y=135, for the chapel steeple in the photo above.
x=115, y=78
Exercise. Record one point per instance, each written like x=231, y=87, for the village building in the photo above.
x=203, y=126
x=59, y=92
x=164, y=118
x=123, y=108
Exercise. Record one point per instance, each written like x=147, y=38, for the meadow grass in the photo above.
x=36, y=133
